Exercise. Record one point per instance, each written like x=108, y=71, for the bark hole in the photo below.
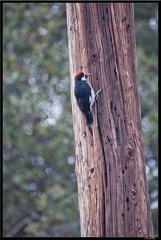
x=84, y=134
x=94, y=56
x=127, y=200
x=129, y=153
x=133, y=193
x=123, y=19
x=109, y=139
x=92, y=170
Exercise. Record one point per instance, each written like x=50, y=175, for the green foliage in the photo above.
x=39, y=187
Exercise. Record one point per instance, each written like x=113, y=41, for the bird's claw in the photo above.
x=97, y=93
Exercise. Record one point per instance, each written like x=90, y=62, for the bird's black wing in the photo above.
x=82, y=93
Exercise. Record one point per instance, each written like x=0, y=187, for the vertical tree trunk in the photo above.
x=112, y=188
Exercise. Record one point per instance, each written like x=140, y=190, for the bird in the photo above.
x=85, y=96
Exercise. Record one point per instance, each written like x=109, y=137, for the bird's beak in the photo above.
x=88, y=74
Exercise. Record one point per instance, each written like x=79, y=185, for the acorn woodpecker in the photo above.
x=85, y=96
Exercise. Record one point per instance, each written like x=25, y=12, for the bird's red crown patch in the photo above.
x=78, y=73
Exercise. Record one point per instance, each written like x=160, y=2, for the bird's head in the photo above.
x=80, y=76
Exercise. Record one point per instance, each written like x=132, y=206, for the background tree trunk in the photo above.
x=112, y=188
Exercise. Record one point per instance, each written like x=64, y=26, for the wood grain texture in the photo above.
x=110, y=169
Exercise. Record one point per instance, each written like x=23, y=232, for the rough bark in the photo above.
x=110, y=169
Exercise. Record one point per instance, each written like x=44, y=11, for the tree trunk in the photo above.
x=110, y=169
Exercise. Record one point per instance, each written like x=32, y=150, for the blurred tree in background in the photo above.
x=40, y=197
x=146, y=24
x=39, y=184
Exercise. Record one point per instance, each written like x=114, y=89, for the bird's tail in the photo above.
x=89, y=119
